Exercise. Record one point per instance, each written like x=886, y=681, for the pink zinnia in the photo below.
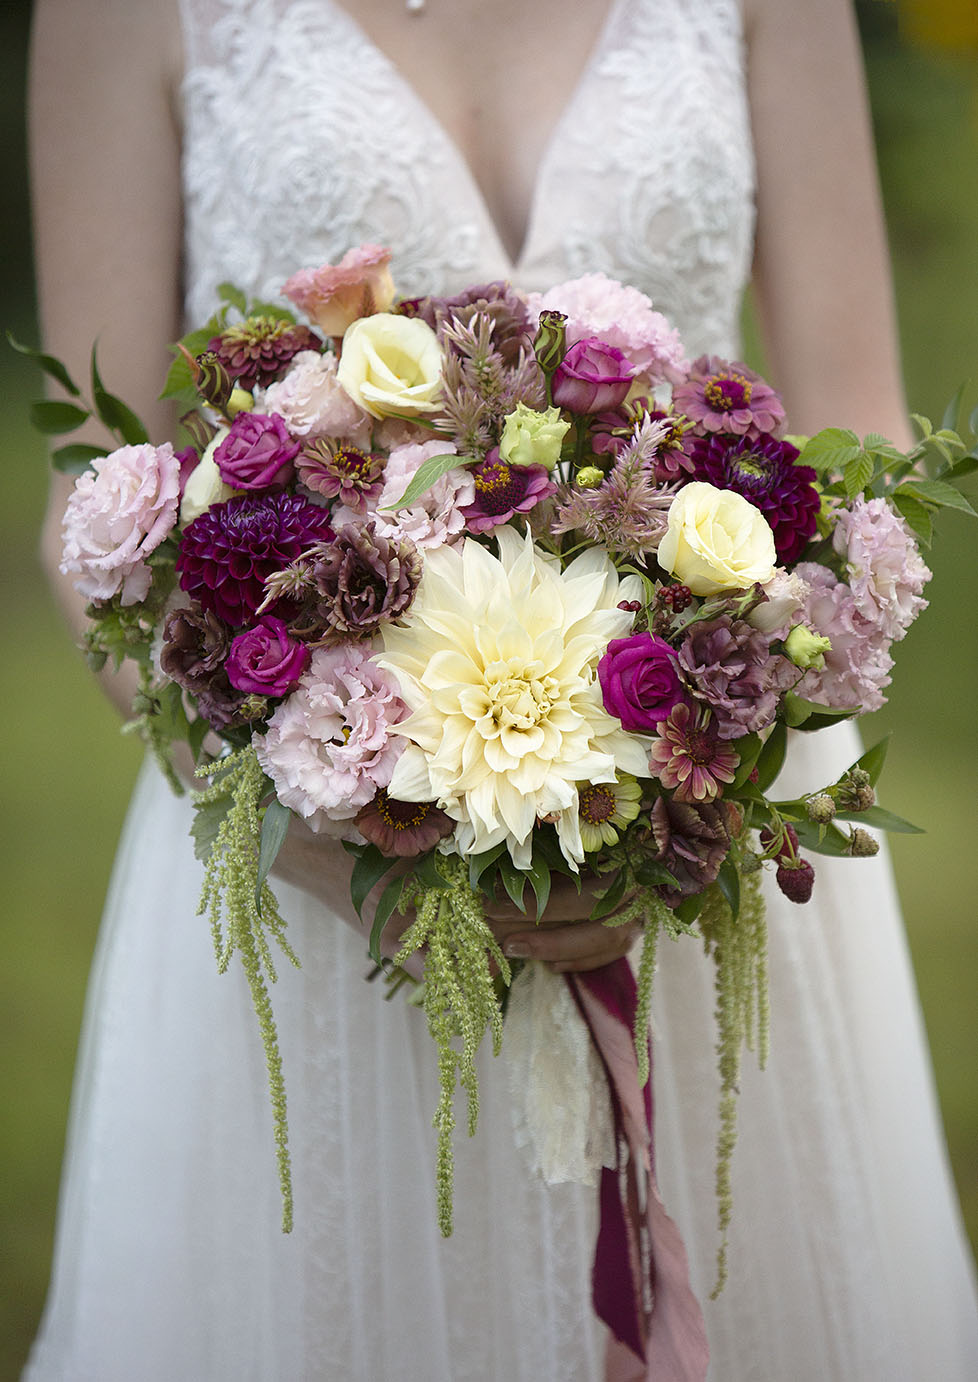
x=725, y=396
x=689, y=757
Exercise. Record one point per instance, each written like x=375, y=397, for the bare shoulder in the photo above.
x=121, y=40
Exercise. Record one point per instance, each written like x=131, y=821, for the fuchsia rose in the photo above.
x=335, y=295
x=592, y=377
x=265, y=661
x=119, y=511
x=640, y=681
x=257, y=453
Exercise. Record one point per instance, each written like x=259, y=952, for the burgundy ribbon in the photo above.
x=640, y=1282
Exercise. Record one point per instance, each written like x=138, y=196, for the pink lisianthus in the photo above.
x=265, y=661
x=335, y=295
x=857, y=666
x=118, y=513
x=886, y=571
x=435, y=518
x=330, y=745
x=313, y=404
x=596, y=305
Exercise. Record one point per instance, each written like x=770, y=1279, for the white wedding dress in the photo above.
x=847, y=1258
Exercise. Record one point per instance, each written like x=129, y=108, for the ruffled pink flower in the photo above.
x=335, y=295
x=118, y=513
x=857, y=665
x=434, y=519
x=313, y=404
x=330, y=745
x=886, y=571
x=596, y=305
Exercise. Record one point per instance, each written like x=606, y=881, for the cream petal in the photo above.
x=410, y=780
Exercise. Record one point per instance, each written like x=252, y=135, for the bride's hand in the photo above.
x=564, y=939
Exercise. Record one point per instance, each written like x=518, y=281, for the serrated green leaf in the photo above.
x=50, y=364
x=873, y=759
x=858, y=473
x=875, y=441
x=179, y=380
x=953, y=410
x=427, y=473
x=728, y=881
x=967, y=465
x=881, y=819
x=916, y=515
x=76, y=458
x=52, y=416
x=274, y=828
x=831, y=449
x=770, y=760
x=389, y=899
x=368, y=870
x=924, y=425
x=937, y=492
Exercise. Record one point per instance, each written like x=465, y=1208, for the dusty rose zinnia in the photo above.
x=690, y=757
x=402, y=829
x=725, y=396
x=345, y=473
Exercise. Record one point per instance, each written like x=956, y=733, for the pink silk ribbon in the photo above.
x=640, y=1281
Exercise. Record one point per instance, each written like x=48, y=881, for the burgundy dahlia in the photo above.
x=725, y=396
x=360, y=580
x=227, y=553
x=501, y=490
x=256, y=351
x=692, y=838
x=763, y=470
x=729, y=666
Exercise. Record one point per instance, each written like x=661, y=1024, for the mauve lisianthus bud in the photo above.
x=548, y=346
x=265, y=661
x=640, y=681
x=820, y=808
x=591, y=378
x=862, y=845
x=796, y=880
x=257, y=453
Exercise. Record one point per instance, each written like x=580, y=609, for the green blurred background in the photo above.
x=69, y=771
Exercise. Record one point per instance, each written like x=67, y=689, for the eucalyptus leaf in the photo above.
x=48, y=363
x=76, y=458
x=728, y=881
x=274, y=828
x=52, y=416
x=881, y=819
x=427, y=474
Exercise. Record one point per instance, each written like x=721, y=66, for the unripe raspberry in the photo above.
x=796, y=880
x=862, y=845
x=820, y=808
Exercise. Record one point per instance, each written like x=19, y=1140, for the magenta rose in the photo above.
x=265, y=660
x=640, y=681
x=257, y=452
x=592, y=377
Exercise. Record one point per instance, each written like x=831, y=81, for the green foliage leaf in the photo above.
x=479, y=863
x=953, y=410
x=389, y=899
x=916, y=514
x=611, y=897
x=116, y=415
x=771, y=757
x=881, y=819
x=831, y=449
x=689, y=909
x=48, y=363
x=514, y=880
x=52, y=416
x=822, y=839
x=939, y=493
x=233, y=295
x=873, y=759
x=651, y=874
x=796, y=710
x=426, y=475
x=749, y=748
x=427, y=872
x=76, y=458
x=858, y=473
x=728, y=881
x=274, y=828
x=967, y=465
x=539, y=876
x=368, y=870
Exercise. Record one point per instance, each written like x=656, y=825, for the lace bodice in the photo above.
x=302, y=139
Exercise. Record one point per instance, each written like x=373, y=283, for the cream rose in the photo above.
x=391, y=365
x=715, y=540
x=204, y=485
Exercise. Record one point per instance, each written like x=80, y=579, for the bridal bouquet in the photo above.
x=496, y=586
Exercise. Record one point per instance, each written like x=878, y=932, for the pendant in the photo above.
x=415, y=6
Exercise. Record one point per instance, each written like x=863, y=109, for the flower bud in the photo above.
x=549, y=344
x=212, y=380
x=820, y=808
x=862, y=845
x=589, y=477
x=240, y=401
x=806, y=649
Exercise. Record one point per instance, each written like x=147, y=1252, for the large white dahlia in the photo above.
x=496, y=662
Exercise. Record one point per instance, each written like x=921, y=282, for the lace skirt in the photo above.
x=847, y=1257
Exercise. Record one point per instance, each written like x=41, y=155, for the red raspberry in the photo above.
x=796, y=880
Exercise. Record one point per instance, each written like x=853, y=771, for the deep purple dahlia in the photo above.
x=227, y=553
x=763, y=470
x=257, y=351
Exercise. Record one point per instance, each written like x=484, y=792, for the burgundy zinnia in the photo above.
x=502, y=489
x=763, y=470
x=257, y=351
x=227, y=553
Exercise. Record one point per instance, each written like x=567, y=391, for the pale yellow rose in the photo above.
x=204, y=486
x=715, y=540
x=391, y=365
x=531, y=437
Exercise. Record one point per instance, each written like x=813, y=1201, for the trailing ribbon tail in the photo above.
x=640, y=1281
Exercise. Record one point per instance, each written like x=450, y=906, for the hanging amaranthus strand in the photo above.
x=459, y=999
x=244, y=916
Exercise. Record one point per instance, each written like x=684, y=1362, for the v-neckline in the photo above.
x=514, y=261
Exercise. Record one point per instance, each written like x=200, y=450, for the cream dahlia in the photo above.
x=497, y=662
